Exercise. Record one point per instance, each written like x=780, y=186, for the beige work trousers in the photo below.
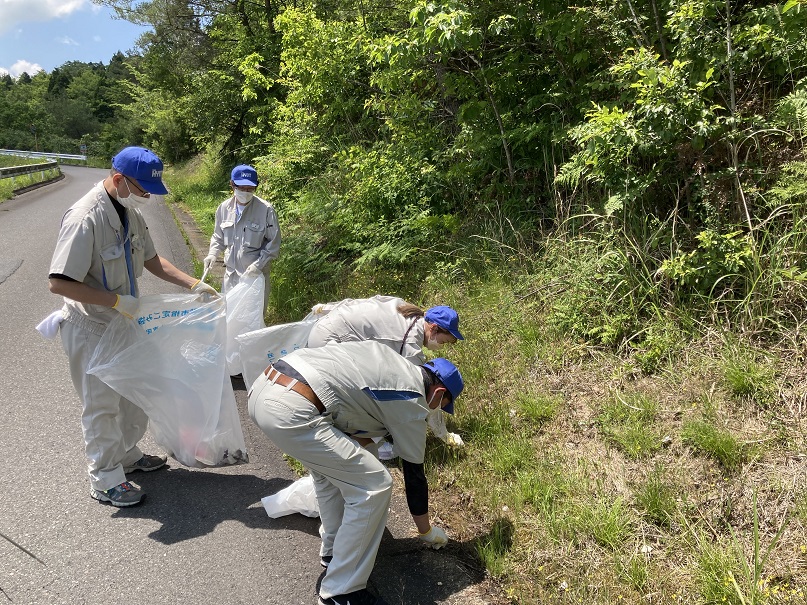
x=112, y=425
x=353, y=487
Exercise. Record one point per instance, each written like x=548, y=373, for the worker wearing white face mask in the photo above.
x=319, y=405
x=102, y=249
x=400, y=325
x=246, y=231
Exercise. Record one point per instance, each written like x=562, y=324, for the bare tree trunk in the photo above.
x=638, y=24
x=511, y=173
x=660, y=31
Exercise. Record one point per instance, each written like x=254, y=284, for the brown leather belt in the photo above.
x=300, y=388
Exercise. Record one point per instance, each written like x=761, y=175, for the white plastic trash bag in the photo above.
x=299, y=497
x=263, y=347
x=171, y=362
x=244, y=314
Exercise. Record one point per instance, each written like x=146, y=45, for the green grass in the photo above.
x=608, y=522
x=537, y=408
x=715, y=443
x=715, y=573
x=512, y=455
x=493, y=548
x=656, y=497
x=295, y=465
x=7, y=161
x=635, y=572
x=627, y=422
x=542, y=489
x=748, y=375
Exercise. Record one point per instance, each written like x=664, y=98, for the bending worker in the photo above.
x=400, y=325
x=246, y=231
x=103, y=246
x=320, y=406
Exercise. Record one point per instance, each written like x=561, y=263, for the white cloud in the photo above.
x=67, y=41
x=19, y=67
x=14, y=12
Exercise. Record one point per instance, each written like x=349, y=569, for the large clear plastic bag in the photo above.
x=263, y=347
x=244, y=314
x=171, y=362
x=299, y=497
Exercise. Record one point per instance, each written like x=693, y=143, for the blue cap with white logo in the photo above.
x=143, y=166
x=450, y=376
x=244, y=175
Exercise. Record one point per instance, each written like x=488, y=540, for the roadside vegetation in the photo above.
x=614, y=197
x=666, y=468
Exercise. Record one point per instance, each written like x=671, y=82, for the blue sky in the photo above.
x=43, y=34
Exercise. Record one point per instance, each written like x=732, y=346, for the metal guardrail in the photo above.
x=43, y=154
x=13, y=171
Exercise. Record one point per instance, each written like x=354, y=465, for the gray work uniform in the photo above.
x=92, y=249
x=376, y=318
x=252, y=237
x=368, y=390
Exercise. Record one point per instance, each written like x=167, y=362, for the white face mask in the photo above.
x=433, y=345
x=131, y=201
x=433, y=413
x=243, y=197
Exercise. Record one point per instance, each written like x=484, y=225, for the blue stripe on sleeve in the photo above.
x=390, y=395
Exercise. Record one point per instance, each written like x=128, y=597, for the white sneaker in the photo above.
x=385, y=451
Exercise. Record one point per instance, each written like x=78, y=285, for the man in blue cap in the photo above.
x=319, y=405
x=246, y=231
x=102, y=249
x=400, y=325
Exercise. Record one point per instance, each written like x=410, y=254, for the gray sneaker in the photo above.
x=124, y=494
x=146, y=464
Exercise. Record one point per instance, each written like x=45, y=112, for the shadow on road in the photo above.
x=410, y=573
x=190, y=504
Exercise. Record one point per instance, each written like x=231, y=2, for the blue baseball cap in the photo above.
x=143, y=166
x=449, y=375
x=244, y=175
x=446, y=318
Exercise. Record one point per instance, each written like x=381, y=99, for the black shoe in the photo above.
x=325, y=560
x=358, y=597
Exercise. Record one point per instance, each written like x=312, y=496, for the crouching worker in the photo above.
x=321, y=406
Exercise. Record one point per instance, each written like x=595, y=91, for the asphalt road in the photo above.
x=202, y=535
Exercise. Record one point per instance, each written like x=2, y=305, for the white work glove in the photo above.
x=436, y=538
x=127, y=305
x=208, y=261
x=454, y=440
x=252, y=271
x=201, y=287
